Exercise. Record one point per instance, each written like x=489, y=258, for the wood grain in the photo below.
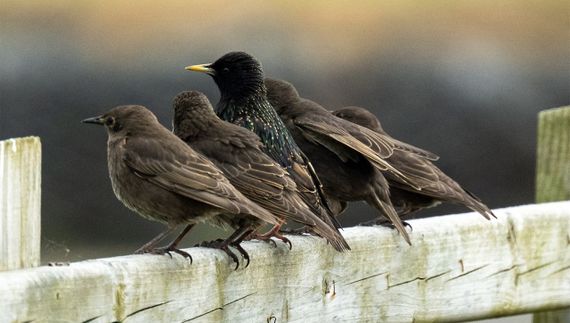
x=460, y=267
x=20, y=198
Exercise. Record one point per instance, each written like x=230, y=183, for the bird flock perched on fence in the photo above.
x=265, y=156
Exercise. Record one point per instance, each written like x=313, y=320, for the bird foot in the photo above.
x=244, y=254
x=223, y=245
x=164, y=250
x=385, y=223
x=272, y=234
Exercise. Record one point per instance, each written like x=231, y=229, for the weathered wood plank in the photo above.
x=460, y=267
x=20, y=198
x=553, y=155
x=553, y=174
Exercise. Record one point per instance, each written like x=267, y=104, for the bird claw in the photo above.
x=164, y=250
x=285, y=240
x=242, y=251
x=231, y=254
x=267, y=238
x=219, y=244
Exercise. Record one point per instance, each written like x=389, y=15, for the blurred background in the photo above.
x=464, y=79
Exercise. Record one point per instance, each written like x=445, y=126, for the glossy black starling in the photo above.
x=243, y=102
x=237, y=152
x=157, y=175
x=436, y=187
x=349, y=159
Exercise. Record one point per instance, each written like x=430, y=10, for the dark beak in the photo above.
x=95, y=120
x=202, y=68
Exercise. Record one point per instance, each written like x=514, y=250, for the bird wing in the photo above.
x=255, y=174
x=330, y=136
x=421, y=171
x=181, y=170
x=434, y=182
x=400, y=145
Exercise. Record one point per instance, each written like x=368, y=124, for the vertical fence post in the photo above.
x=553, y=175
x=20, y=198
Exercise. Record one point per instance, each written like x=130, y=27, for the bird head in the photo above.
x=359, y=116
x=191, y=108
x=237, y=74
x=125, y=118
x=280, y=93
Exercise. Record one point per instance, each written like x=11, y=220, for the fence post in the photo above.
x=20, y=198
x=553, y=175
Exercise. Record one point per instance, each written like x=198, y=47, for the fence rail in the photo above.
x=460, y=267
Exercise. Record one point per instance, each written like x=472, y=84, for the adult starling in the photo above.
x=436, y=187
x=237, y=152
x=243, y=102
x=157, y=175
x=349, y=159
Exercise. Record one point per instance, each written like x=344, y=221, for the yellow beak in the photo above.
x=202, y=68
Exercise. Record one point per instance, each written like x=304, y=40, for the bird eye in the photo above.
x=225, y=70
x=110, y=121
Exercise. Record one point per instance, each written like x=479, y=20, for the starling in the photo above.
x=157, y=175
x=243, y=102
x=436, y=187
x=238, y=153
x=349, y=159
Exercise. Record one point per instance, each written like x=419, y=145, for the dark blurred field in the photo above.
x=463, y=79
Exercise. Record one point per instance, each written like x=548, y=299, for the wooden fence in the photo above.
x=460, y=267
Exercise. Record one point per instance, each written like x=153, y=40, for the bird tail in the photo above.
x=332, y=235
x=382, y=203
x=474, y=203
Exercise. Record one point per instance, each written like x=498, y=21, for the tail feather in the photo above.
x=388, y=211
x=475, y=204
x=332, y=235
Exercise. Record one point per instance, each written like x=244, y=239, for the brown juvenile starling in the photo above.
x=157, y=175
x=349, y=159
x=436, y=187
x=238, y=153
x=243, y=102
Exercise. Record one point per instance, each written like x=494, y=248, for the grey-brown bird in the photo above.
x=436, y=186
x=157, y=175
x=238, y=153
x=243, y=101
x=349, y=159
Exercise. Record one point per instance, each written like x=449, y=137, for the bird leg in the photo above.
x=274, y=232
x=233, y=240
x=150, y=246
x=238, y=240
x=147, y=247
x=172, y=246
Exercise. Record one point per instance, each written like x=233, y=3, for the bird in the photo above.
x=436, y=186
x=238, y=153
x=160, y=177
x=239, y=77
x=350, y=160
